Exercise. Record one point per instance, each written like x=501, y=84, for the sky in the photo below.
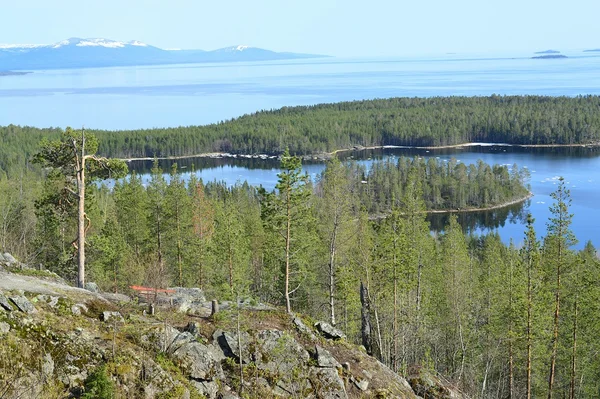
x=344, y=28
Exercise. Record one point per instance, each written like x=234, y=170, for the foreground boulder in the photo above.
x=23, y=304
x=329, y=331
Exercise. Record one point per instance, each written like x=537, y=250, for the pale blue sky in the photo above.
x=334, y=27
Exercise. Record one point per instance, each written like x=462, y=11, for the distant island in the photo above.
x=548, y=52
x=592, y=50
x=98, y=52
x=13, y=73
x=549, y=56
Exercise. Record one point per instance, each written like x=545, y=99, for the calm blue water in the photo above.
x=579, y=167
x=175, y=95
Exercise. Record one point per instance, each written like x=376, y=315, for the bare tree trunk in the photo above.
x=332, y=251
x=378, y=325
x=511, y=376
x=395, y=362
x=81, y=214
x=239, y=339
x=179, y=257
x=574, y=354
x=529, y=304
x=288, y=306
x=555, y=334
x=365, y=319
x=418, y=308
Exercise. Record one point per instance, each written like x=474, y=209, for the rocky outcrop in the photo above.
x=56, y=340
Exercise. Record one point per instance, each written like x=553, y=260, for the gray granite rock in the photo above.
x=92, y=287
x=111, y=316
x=47, y=366
x=8, y=258
x=329, y=331
x=5, y=304
x=330, y=384
x=325, y=359
x=231, y=342
x=303, y=328
x=209, y=389
x=4, y=327
x=363, y=385
x=78, y=309
x=22, y=304
x=198, y=362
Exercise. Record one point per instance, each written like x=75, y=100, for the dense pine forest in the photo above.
x=495, y=319
x=498, y=320
x=432, y=121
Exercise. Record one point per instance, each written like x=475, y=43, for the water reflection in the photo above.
x=482, y=221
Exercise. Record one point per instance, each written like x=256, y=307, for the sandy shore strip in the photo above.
x=355, y=148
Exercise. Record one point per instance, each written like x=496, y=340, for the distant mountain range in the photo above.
x=89, y=53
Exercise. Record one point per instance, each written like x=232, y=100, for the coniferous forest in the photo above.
x=435, y=121
x=498, y=320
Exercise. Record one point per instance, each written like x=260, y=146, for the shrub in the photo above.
x=99, y=385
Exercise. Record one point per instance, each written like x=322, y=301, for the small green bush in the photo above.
x=99, y=385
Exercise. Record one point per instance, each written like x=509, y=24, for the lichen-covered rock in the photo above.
x=231, y=342
x=156, y=379
x=427, y=385
x=329, y=331
x=92, y=287
x=22, y=304
x=279, y=352
x=111, y=316
x=4, y=304
x=303, y=328
x=78, y=309
x=209, y=389
x=325, y=359
x=4, y=328
x=188, y=300
x=328, y=383
x=198, y=361
x=363, y=385
x=115, y=298
x=47, y=366
x=9, y=259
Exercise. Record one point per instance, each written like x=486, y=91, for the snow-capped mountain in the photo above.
x=74, y=41
x=100, y=52
x=239, y=47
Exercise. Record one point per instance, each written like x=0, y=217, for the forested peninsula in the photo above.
x=324, y=128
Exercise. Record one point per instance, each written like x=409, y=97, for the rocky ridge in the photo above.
x=55, y=339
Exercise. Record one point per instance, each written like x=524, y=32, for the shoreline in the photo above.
x=327, y=155
x=463, y=145
x=467, y=210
